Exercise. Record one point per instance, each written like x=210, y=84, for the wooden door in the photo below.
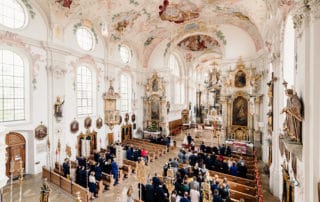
x=16, y=151
x=110, y=139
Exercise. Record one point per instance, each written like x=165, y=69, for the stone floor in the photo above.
x=29, y=189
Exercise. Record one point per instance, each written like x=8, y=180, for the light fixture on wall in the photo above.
x=111, y=114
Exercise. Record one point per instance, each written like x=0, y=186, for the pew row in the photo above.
x=65, y=184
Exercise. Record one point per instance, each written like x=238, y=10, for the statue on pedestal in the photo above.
x=293, y=122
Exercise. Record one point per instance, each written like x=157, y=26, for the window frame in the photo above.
x=93, y=94
x=128, y=93
x=26, y=59
x=25, y=14
x=128, y=50
x=92, y=37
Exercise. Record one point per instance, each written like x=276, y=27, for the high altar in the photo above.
x=154, y=105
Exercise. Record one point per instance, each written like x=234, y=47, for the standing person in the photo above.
x=144, y=154
x=66, y=168
x=92, y=185
x=114, y=171
x=194, y=195
x=189, y=138
x=185, y=198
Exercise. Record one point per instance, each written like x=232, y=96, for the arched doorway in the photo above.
x=16, y=152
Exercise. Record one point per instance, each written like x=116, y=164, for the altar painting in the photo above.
x=240, y=111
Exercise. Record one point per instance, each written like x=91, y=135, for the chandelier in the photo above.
x=111, y=114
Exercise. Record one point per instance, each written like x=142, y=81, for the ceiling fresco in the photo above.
x=148, y=23
x=199, y=43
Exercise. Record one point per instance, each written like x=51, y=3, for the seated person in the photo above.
x=234, y=169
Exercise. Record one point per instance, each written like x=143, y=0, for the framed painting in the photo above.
x=240, y=111
x=74, y=126
x=87, y=122
x=41, y=132
x=99, y=123
x=240, y=79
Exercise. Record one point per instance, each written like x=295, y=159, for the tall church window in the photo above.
x=177, y=81
x=12, y=14
x=289, y=52
x=125, y=86
x=12, y=87
x=125, y=54
x=84, y=91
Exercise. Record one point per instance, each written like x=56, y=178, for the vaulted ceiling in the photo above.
x=147, y=23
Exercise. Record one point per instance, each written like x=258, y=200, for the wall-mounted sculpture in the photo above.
x=58, y=108
x=294, y=117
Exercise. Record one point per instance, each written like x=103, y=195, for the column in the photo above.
x=310, y=43
x=275, y=168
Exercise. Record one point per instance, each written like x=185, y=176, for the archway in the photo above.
x=16, y=152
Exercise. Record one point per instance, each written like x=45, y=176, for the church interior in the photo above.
x=159, y=100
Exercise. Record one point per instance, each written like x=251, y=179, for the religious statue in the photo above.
x=294, y=118
x=45, y=191
x=58, y=107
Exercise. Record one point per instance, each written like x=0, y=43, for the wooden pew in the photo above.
x=126, y=170
x=107, y=180
x=240, y=180
x=149, y=146
x=65, y=184
x=239, y=195
x=163, y=148
x=132, y=164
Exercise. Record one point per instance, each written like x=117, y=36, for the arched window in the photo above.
x=125, y=86
x=12, y=14
x=177, y=81
x=85, y=38
x=289, y=51
x=12, y=87
x=125, y=54
x=174, y=66
x=84, y=91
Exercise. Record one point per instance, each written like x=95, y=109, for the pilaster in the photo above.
x=3, y=177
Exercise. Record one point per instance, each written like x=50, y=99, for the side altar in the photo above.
x=155, y=105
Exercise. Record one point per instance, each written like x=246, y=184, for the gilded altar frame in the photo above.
x=154, y=103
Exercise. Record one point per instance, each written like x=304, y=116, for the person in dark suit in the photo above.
x=234, y=170
x=202, y=147
x=96, y=156
x=185, y=198
x=66, y=168
x=149, y=195
x=222, y=150
x=114, y=171
x=155, y=180
x=84, y=177
x=189, y=138
x=159, y=194
x=98, y=172
x=129, y=154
